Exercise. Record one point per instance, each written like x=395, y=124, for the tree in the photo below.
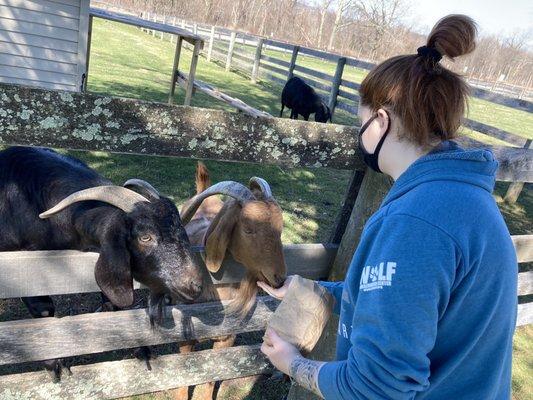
x=324, y=10
x=342, y=7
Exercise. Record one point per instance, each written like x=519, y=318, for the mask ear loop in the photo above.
x=382, y=140
x=363, y=129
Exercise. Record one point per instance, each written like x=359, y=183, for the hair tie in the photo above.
x=429, y=52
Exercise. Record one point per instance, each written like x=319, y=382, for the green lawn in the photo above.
x=126, y=62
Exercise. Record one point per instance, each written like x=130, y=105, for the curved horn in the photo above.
x=229, y=188
x=144, y=185
x=120, y=197
x=262, y=185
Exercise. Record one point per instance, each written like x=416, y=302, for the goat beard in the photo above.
x=244, y=300
x=156, y=304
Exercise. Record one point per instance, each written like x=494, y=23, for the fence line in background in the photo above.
x=230, y=48
x=223, y=41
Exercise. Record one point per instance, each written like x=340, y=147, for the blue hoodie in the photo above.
x=428, y=307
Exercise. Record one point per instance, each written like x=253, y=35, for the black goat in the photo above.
x=302, y=99
x=137, y=232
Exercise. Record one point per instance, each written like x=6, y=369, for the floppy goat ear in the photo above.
x=113, y=270
x=219, y=234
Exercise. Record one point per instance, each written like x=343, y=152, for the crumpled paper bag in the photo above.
x=303, y=314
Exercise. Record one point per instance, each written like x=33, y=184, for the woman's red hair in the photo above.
x=429, y=99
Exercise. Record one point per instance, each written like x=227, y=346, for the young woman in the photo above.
x=428, y=307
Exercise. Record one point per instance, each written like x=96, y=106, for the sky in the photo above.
x=492, y=16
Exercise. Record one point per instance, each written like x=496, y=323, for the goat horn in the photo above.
x=229, y=188
x=262, y=185
x=120, y=197
x=142, y=184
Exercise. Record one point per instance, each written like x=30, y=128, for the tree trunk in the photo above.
x=338, y=16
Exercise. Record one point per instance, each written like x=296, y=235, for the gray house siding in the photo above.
x=43, y=42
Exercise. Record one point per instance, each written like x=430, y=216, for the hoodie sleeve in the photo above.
x=403, y=291
x=335, y=289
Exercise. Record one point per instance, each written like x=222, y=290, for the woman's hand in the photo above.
x=278, y=293
x=280, y=352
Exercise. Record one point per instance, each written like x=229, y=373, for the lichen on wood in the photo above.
x=91, y=122
x=38, y=117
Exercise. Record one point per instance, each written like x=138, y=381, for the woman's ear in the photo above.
x=383, y=119
x=113, y=269
x=219, y=234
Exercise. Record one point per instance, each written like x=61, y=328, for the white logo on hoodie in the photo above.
x=375, y=277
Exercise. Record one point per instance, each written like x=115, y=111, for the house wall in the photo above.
x=43, y=42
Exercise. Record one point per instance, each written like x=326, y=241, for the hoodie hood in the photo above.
x=448, y=162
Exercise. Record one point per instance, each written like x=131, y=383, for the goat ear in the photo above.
x=219, y=234
x=113, y=270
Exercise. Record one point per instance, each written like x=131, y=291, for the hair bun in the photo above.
x=453, y=36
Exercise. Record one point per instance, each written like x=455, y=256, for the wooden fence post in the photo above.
x=173, y=24
x=335, y=84
x=142, y=17
x=211, y=41
x=230, y=50
x=88, y=54
x=154, y=20
x=347, y=207
x=374, y=187
x=295, y=51
x=174, y=78
x=195, y=28
x=515, y=188
x=257, y=61
x=192, y=72
x=164, y=23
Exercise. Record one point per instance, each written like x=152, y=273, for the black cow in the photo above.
x=303, y=100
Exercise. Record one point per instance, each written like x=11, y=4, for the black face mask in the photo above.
x=372, y=159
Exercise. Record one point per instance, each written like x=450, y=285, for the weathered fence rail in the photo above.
x=114, y=379
x=242, y=58
x=90, y=122
x=69, y=271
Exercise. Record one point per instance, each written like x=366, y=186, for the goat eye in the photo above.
x=145, y=238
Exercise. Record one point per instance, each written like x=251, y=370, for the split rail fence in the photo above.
x=58, y=120
x=262, y=58
x=259, y=57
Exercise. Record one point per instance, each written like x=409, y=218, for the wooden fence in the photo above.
x=259, y=58
x=90, y=122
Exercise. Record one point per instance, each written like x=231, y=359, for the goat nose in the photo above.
x=279, y=280
x=195, y=288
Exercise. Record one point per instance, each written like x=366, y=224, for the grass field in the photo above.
x=126, y=62
x=134, y=64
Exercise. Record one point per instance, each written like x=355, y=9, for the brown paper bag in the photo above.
x=303, y=313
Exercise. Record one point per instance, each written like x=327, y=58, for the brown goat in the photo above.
x=248, y=225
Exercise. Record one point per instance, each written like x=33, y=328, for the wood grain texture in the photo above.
x=91, y=122
x=525, y=283
x=109, y=380
x=69, y=271
x=524, y=247
x=22, y=340
x=514, y=190
x=142, y=23
x=525, y=314
x=349, y=200
x=373, y=189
